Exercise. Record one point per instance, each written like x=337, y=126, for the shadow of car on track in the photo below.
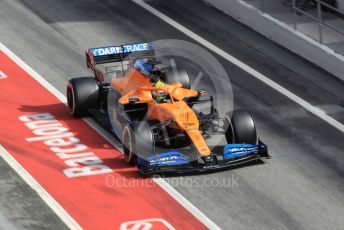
x=58, y=110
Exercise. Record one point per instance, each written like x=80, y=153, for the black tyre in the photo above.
x=82, y=94
x=228, y=128
x=137, y=140
x=241, y=128
x=181, y=76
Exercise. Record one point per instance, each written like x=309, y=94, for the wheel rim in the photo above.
x=127, y=145
x=228, y=128
x=70, y=99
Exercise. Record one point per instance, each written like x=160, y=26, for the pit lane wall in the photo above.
x=283, y=34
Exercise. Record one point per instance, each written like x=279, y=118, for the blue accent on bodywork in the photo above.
x=136, y=47
x=142, y=66
x=110, y=50
x=238, y=150
x=168, y=158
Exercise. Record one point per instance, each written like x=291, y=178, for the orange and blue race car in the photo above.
x=151, y=110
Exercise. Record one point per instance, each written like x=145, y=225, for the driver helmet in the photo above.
x=159, y=95
x=142, y=66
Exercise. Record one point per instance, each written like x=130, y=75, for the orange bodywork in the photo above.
x=136, y=85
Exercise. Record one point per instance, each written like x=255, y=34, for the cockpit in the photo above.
x=160, y=96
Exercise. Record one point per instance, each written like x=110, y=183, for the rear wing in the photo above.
x=109, y=54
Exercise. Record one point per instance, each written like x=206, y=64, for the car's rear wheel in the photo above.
x=137, y=140
x=180, y=76
x=82, y=94
x=240, y=128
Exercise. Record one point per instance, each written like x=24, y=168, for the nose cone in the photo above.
x=184, y=116
x=186, y=120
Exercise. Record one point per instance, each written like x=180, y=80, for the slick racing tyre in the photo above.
x=82, y=94
x=180, y=76
x=137, y=140
x=228, y=128
x=241, y=128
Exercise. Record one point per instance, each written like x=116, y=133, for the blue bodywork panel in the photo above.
x=239, y=150
x=168, y=158
x=111, y=50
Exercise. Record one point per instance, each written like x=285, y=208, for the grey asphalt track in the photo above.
x=20, y=206
x=301, y=187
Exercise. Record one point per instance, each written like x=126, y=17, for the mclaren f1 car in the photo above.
x=152, y=111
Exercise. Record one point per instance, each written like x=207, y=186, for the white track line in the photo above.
x=51, y=202
x=161, y=182
x=319, y=113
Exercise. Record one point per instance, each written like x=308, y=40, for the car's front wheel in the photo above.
x=137, y=140
x=240, y=128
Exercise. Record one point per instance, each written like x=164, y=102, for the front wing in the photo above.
x=177, y=162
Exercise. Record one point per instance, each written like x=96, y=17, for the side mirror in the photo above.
x=202, y=92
